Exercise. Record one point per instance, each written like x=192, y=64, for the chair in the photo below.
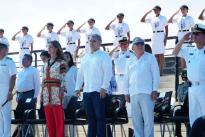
x=116, y=113
x=75, y=114
x=163, y=111
x=19, y=116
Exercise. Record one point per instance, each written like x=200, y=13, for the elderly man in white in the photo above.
x=142, y=78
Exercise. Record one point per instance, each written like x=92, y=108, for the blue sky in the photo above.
x=35, y=14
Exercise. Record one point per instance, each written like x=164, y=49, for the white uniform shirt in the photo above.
x=120, y=59
x=49, y=37
x=195, y=60
x=120, y=29
x=95, y=71
x=158, y=23
x=4, y=40
x=89, y=32
x=184, y=25
x=25, y=41
x=28, y=79
x=7, y=69
x=70, y=79
x=142, y=75
x=71, y=36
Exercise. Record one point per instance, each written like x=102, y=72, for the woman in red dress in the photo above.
x=53, y=90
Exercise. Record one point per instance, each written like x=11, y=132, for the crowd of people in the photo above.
x=136, y=72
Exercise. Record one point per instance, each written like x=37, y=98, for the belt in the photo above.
x=197, y=83
x=187, y=42
x=183, y=30
x=71, y=43
x=158, y=31
x=118, y=36
x=24, y=48
x=120, y=74
x=24, y=92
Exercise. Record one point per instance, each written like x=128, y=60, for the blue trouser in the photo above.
x=95, y=111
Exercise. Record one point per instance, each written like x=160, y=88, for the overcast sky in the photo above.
x=36, y=13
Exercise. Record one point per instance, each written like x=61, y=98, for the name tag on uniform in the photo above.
x=127, y=56
x=191, y=54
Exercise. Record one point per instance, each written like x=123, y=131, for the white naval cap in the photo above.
x=198, y=28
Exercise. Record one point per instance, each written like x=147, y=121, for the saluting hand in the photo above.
x=114, y=19
x=187, y=37
x=102, y=93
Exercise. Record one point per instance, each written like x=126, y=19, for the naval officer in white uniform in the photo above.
x=50, y=36
x=72, y=36
x=195, y=60
x=121, y=55
x=7, y=82
x=3, y=39
x=121, y=29
x=25, y=42
x=185, y=23
x=160, y=33
x=89, y=32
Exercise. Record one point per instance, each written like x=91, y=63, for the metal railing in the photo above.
x=104, y=46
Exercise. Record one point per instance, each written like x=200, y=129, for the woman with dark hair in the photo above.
x=53, y=90
x=70, y=80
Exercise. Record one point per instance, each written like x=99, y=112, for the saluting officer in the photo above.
x=3, y=39
x=120, y=58
x=185, y=23
x=159, y=38
x=50, y=36
x=89, y=32
x=120, y=29
x=7, y=82
x=71, y=37
x=25, y=42
x=195, y=60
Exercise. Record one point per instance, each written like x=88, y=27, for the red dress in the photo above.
x=53, y=82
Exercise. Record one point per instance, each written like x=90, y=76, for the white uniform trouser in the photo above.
x=158, y=46
x=142, y=111
x=120, y=84
x=71, y=48
x=22, y=52
x=5, y=114
x=196, y=102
